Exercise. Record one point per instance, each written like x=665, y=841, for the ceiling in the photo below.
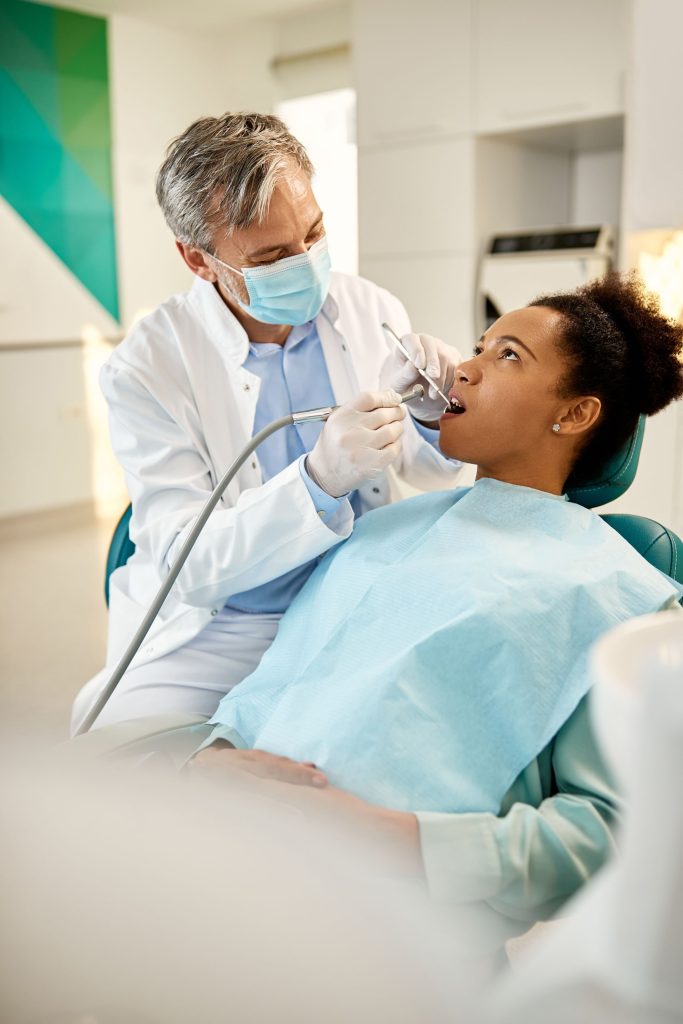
x=202, y=15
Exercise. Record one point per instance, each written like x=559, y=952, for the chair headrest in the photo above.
x=615, y=478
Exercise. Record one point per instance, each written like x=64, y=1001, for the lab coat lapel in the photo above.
x=226, y=401
x=343, y=376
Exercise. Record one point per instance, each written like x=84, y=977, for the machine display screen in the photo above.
x=545, y=240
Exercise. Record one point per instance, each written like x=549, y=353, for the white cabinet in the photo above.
x=412, y=68
x=654, y=150
x=548, y=61
x=416, y=198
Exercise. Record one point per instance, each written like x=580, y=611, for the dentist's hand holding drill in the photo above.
x=358, y=442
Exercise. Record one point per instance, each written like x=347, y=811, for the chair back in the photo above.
x=120, y=549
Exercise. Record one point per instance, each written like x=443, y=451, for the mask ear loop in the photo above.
x=234, y=269
x=231, y=291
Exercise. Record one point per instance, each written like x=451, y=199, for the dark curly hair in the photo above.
x=621, y=349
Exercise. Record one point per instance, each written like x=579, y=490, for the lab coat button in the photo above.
x=214, y=611
x=321, y=513
x=246, y=387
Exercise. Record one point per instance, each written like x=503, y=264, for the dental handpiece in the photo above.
x=311, y=415
x=308, y=416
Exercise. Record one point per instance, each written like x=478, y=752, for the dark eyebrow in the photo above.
x=272, y=248
x=511, y=337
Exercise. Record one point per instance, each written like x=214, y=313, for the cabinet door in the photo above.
x=416, y=198
x=548, y=61
x=412, y=68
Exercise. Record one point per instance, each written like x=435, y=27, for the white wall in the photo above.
x=52, y=434
x=162, y=80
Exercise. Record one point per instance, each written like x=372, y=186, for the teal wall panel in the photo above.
x=55, y=137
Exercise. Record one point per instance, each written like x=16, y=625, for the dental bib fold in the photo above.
x=432, y=656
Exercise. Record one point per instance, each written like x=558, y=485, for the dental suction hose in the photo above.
x=309, y=416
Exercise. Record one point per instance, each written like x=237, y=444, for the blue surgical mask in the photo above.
x=290, y=291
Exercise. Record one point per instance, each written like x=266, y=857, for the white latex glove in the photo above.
x=358, y=442
x=433, y=356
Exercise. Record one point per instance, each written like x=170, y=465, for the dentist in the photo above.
x=266, y=329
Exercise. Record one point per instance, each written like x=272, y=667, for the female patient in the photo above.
x=434, y=666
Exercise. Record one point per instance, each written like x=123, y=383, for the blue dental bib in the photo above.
x=432, y=656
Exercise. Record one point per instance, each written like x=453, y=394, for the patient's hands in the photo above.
x=221, y=758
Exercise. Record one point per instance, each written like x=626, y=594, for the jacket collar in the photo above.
x=224, y=329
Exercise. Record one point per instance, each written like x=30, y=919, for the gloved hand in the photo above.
x=433, y=356
x=358, y=442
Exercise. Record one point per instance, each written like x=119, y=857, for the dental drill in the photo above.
x=308, y=416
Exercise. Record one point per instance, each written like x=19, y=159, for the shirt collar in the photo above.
x=297, y=335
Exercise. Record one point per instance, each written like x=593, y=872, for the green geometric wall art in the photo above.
x=55, y=137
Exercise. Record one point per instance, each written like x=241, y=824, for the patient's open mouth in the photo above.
x=456, y=407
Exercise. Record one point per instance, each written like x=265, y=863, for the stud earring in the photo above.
x=556, y=427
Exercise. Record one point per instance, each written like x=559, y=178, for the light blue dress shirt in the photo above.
x=295, y=377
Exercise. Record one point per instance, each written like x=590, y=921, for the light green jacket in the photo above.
x=554, y=830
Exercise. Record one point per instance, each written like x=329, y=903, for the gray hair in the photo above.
x=223, y=170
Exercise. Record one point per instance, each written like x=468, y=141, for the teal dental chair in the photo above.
x=655, y=542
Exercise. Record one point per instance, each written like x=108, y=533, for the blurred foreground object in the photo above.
x=618, y=957
x=142, y=896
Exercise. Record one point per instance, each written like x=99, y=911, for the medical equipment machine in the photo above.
x=516, y=267
x=307, y=416
x=425, y=376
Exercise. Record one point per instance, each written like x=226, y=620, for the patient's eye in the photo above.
x=477, y=350
x=506, y=352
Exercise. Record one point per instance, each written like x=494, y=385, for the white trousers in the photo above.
x=191, y=680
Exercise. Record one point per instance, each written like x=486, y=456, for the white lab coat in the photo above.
x=182, y=407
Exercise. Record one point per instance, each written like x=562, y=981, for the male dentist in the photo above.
x=266, y=329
